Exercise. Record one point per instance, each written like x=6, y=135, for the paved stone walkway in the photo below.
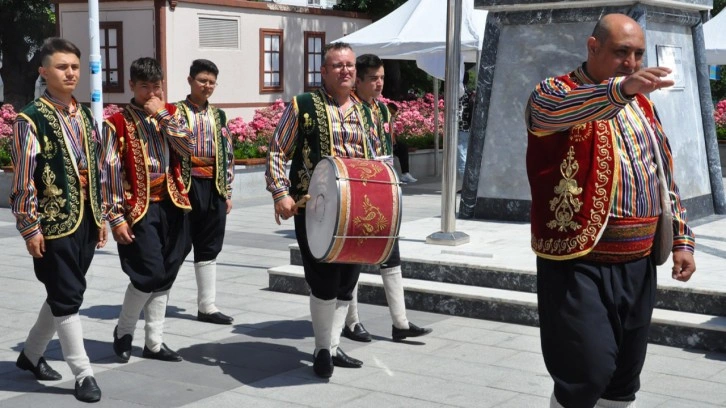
x=264, y=359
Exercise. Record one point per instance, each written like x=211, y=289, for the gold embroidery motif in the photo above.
x=322, y=115
x=566, y=204
x=368, y=170
x=606, y=170
x=308, y=125
x=372, y=222
x=304, y=174
x=220, y=154
x=71, y=214
x=50, y=148
x=141, y=192
x=581, y=132
x=53, y=201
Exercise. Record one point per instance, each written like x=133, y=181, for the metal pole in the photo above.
x=448, y=234
x=95, y=62
x=436, y=126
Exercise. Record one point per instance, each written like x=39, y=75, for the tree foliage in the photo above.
x=375, y=8
x=23, y=26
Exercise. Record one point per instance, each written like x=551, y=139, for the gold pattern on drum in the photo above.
x=370, y=224
x=368, y=170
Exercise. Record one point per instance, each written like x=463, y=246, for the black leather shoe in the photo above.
x=412, y=331
x=122, y=346
x=323, y=364
x=164, y=354
x=42, y=371
x=216, y=318
x=87, y=390
x=340, y=359
x=359, y=333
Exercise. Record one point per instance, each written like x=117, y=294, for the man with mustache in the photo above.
x=595, y=150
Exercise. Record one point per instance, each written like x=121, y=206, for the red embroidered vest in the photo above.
x=136, y=176
x=571, y=178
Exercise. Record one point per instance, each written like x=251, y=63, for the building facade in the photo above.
x=265, y=51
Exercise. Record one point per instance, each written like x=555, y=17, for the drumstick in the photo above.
x=301, y=202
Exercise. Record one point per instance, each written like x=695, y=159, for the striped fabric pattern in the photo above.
x=625, y=240
x=555, y=107
x=348, y=137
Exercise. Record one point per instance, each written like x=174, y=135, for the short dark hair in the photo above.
x=392, y=107
x=366, y=62
x=53, y=45
x=146, y=69
x=203, y=65
x=336, y=46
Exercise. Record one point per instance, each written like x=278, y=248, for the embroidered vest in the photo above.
x=136, y=175
x=314, y=140
x=572, y=196
x=56, y=177
x=382, y=124
x=219, y=121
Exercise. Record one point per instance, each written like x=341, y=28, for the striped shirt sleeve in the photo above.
x=113, y=189
x=554, y=106
x=280, y=150
x=176, y=132
x=23, y=198
x=684, y=239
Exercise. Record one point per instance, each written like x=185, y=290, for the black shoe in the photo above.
x=412, y=331
x=122, y=346
x=340, y=359
x=323, y=364
x=87, y=390
x=42, y=371
x=359, y=333
x=164, y=354
x=216, y=318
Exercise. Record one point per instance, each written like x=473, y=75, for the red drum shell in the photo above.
x=354, y=213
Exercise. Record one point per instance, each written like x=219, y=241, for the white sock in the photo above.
x=134, y=301
x=341, y=311
x=351, y=319
x=70, y=334
x=393, y=286
x=603, y=403
x=554, y=403
x=321, y=313
x=206, y=273
x=40, y=335
x=154, y=313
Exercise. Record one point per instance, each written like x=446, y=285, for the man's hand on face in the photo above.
x=154, y=104
x=646, y=80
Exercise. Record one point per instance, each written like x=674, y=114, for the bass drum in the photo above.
x=354, y=211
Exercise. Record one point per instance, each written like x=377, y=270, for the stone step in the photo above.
x=669, y=327
x=669, y=297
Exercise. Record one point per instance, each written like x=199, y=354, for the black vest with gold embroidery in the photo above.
x=57, y=180
x=381, y=122
x=314, y=140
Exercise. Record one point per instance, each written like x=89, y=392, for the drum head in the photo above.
x=321, y=211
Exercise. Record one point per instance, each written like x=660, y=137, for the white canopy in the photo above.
x=714, y=33
x=417, y=31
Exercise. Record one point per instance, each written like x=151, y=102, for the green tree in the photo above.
x=375, y=8
x=23, y=26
